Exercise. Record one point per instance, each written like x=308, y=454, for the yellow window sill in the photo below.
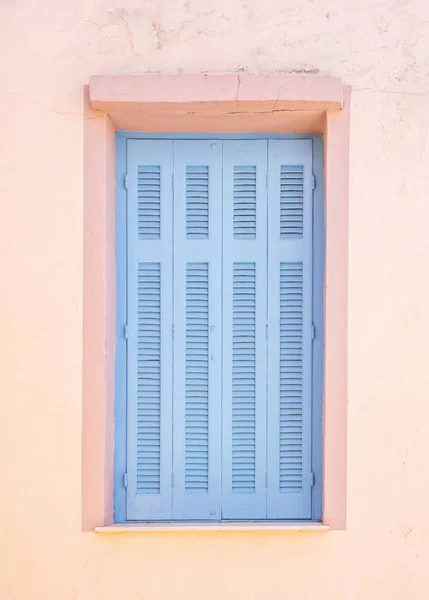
x=213, y=526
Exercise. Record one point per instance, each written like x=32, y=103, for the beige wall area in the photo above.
x=49, y=51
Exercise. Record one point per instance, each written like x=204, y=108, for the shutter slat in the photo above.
x=291, y=282
x=244, y=202
x=197, y=202
x=291, y=201
x=149, y=202
x=197, y=375
x=243, y=404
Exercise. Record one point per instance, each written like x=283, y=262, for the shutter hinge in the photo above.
x=126, y=182
x=266, y=331
x=125, y=480
x=173, y=332
x=173, y=480
x=313, y=331
x=312, y=479
x=266, y=479
x=126, y=332
x=313, y=182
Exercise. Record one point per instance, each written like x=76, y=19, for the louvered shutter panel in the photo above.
x=197, y=325
x=149, y=307
x=244, y=320
x=290, y=328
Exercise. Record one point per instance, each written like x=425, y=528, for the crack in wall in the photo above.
x=278, y=96
x=37, y=103
x=238, y=89
x=389, y=92
x=123, y=15
x=158, y=31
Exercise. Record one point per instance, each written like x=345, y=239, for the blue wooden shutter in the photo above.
x=149, y=306
x=197, y=329
x=290, y=328
x=244, y=319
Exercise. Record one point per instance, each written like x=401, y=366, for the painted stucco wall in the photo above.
x=49, y=50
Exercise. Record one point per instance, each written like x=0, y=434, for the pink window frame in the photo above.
x=206, y=103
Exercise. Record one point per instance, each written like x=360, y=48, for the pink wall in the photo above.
x=52, y=50
x=98, y=316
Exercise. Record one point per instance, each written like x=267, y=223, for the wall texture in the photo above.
x=49, y=50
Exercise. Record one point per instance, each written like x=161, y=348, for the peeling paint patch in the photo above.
x=160, y=34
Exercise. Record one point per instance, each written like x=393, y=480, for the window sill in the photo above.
x=213, y=526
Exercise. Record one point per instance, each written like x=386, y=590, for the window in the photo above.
x=221, y=374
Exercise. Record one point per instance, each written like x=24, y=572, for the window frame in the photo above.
x=120, y=401
x=306, y=104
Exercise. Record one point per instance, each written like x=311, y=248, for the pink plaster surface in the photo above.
x=282, y=92
x=109, y=93
x=240, y=103
x=336, y=137
x=195, y=120
x=98, y=318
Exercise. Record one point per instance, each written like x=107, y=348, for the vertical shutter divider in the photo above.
x=149, y=344
x=197, y=318
x=290, y=281
x=244, y=319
